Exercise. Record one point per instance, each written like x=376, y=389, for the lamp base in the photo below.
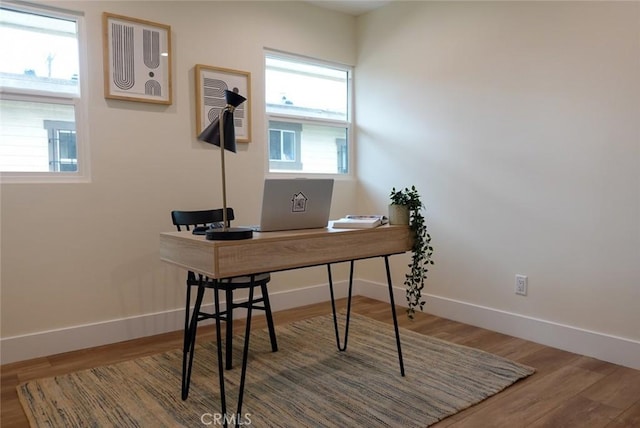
x=230, y=234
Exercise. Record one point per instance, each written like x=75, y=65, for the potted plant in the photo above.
x=422, y=249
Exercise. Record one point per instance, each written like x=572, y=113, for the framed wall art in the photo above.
x=210, y=85
x=137, y=59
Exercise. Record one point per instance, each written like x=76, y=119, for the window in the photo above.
x=40, y=93
x=309, y=115
x=284, y=145
x=62, y=145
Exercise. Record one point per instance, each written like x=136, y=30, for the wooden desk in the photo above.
x=278, y=251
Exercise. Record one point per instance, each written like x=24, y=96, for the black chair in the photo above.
x=199, y=221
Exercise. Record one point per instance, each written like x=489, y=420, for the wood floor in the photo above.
x=567, y=390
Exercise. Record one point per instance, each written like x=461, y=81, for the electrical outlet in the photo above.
x=521, y=285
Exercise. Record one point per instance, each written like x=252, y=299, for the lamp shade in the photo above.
x=211, y=134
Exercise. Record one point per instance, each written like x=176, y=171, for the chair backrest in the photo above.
x=188, y=219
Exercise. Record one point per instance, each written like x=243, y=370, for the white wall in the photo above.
x=519, y=125
x=80, y=254
x=519, y=122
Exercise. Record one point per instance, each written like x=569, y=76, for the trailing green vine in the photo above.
x=422, y=250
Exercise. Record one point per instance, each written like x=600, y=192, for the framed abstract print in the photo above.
x=211, y=83
x=137, y=59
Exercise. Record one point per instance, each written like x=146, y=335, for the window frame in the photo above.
x=79, y=102
x=301, y=120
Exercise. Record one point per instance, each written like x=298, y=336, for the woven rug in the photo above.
x=307, y=383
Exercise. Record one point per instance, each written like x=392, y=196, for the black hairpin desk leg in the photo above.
x=343, y=347
x=223, y=395
x=393, y=313
x=245, y=354
x=333, y=307
x=190, y=328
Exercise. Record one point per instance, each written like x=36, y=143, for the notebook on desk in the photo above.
x=296, y=203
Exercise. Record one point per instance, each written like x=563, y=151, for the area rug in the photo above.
x=308, y=382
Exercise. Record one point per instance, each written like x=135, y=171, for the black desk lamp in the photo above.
x=225, y=137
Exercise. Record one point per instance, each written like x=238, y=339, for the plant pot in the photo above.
x=398, y=214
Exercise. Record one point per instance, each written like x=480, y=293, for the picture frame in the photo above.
x=210, y=85
x=137, y=59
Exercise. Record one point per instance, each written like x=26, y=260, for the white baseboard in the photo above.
x=605, y=347
x=41, y=344
x=617, y=350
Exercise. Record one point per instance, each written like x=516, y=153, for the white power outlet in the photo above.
x=521, y=285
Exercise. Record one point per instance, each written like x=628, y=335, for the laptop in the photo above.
x=295, y=203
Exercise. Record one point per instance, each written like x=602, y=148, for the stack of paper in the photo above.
x=359, y=221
